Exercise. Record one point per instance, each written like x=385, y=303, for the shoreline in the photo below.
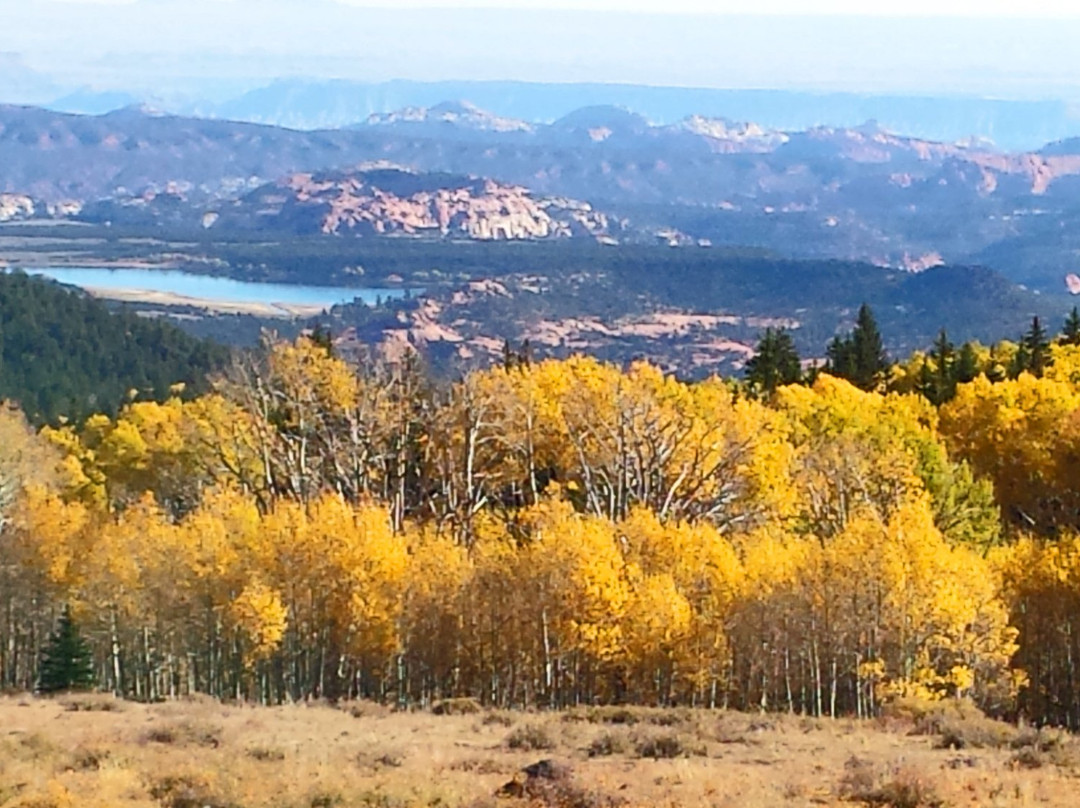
x=148, y=296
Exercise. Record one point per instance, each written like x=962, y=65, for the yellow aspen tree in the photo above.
x=1023, y=434
x=433, y=619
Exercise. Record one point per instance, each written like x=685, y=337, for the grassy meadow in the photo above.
x=75, y=751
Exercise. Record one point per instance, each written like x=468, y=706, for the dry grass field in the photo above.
x=79, y=751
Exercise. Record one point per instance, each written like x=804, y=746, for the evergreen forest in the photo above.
x=64, y=354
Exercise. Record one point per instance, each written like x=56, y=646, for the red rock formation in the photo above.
x=476, y=209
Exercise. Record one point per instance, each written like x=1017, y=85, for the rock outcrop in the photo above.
x=16, y=206
x=20, y=207
x=456, y=113
x=394, y=202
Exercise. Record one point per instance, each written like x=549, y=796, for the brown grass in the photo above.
x=189, y=754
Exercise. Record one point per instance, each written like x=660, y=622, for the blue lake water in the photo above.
x=207, y=287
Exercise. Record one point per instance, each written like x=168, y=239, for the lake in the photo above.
x=208, y=288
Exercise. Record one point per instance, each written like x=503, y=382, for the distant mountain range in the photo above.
x=1014, y=125
x=861, y=193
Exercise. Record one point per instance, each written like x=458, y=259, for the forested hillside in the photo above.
x=63, y=354
x=568, y=531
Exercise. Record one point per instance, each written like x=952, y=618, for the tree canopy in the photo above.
x=63, y=354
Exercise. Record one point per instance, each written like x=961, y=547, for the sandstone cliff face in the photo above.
x=1041, y=171
x=386, y=202
x=20, y=207
x=725, y=137
x=15, y=206
x=457, y=113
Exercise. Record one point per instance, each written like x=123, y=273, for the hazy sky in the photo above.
x=992, y=47
x=911, y=8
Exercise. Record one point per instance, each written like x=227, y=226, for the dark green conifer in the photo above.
x=322, y=336
x=1070, y=334
x=944, y=356
x=1037, y=346
x=839, y=358
x=1021, y=360
x=860, y=357
x=66, y=661
x=926, y=384
x=966, y=368
x=869, y=351
x=776, y=362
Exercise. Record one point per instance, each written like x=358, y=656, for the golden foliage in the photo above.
x=564, y=532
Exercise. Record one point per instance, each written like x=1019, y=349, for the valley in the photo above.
x=599, y=232
x=692, y=310
x=600, y=173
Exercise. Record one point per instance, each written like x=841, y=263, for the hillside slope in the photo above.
x=691, y=311
x=63, y=354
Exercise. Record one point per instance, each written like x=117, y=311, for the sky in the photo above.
x=220, y=47
x=911, y=8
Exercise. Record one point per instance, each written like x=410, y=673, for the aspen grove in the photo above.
x=545, y=534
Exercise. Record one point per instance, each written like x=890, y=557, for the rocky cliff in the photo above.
x=20, y=207
x=395, y=202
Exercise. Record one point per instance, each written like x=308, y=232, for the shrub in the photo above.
x=613, y=715
x=185, y=733
x=668, y=745
x=362, y=708
x=609, y=743
x=959, y=723
x=87, y=758
x=669, y=717
x=1044, y=739
x=186, y=791
x=266, y=754
x=93, y=703
x=326, y=799
x=738, y=728
x=1045, y=747
x=887, y=788
x=482, y=765
x=389, y=761
x=456, y=707
x=1028, y=758
x=974, y=733
x=500, y=717
x=530, y=737
x=26, y=746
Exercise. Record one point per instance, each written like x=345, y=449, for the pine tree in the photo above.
x=860, y=357
x=1021, y=360
x=966, y=368
x=776, y=362
x=1037, y=346
x=926, y=383
x=322, y=337
x=869, y=351
x=840, y=358
x=944, y=383
x=520, y=359
x=66, y=662
x=1070, y=334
